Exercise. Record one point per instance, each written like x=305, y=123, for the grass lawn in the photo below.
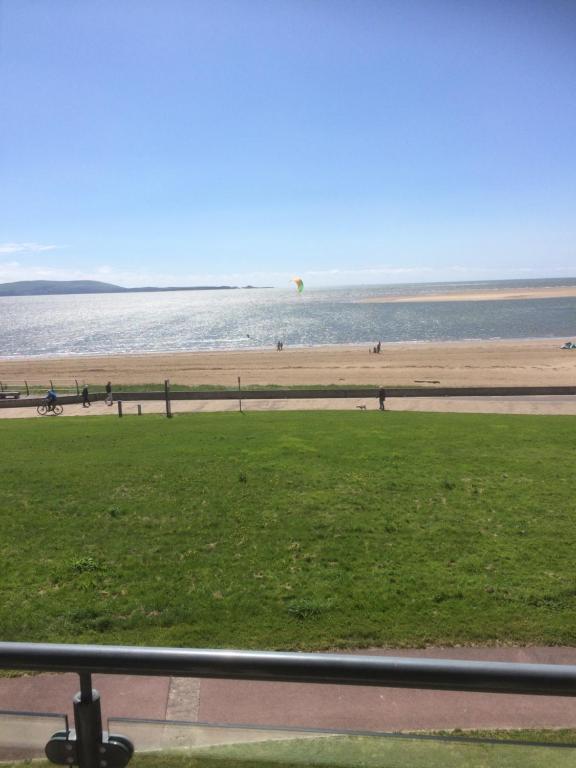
x=364, y=752
x=70, y=389
x=289, y=530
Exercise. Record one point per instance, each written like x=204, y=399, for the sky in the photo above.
x=179, y=142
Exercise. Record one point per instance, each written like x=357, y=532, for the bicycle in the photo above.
x=45, y=408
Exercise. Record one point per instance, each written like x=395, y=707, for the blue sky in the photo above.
x=234, y=141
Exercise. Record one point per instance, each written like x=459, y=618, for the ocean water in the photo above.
x=245, y=319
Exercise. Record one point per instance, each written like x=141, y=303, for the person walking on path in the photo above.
x=108, y=389
x=382, y=398
x=85, y=397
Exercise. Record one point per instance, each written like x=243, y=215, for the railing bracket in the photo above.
x=88, y=746
x=113, y=751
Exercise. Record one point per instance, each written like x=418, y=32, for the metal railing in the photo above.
x=88, y=746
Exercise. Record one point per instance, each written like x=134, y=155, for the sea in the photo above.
x=182, y=321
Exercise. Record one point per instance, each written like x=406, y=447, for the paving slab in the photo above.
x=120, y=695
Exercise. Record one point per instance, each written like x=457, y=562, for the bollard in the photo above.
x=139, y=410
x=119, y=408
x=239, y=396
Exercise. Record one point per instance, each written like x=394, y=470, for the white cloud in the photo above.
x=8, y=248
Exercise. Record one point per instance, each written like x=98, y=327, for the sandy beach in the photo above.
x=495, y=295
x=485, y=363
x=482, y=363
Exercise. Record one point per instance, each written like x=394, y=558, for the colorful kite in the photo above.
x=299, y=284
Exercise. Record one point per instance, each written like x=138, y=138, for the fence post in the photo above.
x=239, y=396
x=167, y=396
x=139, y=410
x=119, y=408
x=27, y=388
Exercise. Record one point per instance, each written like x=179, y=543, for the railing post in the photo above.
x=119, y=408
x=167, y=396
x=88, y=721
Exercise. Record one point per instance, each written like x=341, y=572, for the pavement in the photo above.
x=308, y=705
x=553, y=405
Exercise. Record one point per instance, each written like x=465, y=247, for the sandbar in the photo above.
x=509, y=294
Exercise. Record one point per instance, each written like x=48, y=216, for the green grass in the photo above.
x=224, y=388
x=70, y=389
x=289, y=530
x=363, y=752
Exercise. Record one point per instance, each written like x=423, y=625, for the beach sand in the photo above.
x=482, y=363
x=495, y=295
x=485, y=363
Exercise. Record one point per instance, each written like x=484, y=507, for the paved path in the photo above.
x=537, y=404
x=325, y=706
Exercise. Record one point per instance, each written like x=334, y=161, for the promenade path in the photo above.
x=299, y=705
x=552, y=405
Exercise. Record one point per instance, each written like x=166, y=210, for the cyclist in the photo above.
x=51, y=398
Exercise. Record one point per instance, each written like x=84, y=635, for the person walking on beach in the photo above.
x=108, y=389
x=85, y=397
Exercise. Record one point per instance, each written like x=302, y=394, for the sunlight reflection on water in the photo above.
x=243, y=319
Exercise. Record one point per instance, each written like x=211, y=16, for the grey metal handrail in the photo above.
x=89, y=746
x=341, y=669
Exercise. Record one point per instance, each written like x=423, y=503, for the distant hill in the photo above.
x=59, y=287
x=48, y=287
